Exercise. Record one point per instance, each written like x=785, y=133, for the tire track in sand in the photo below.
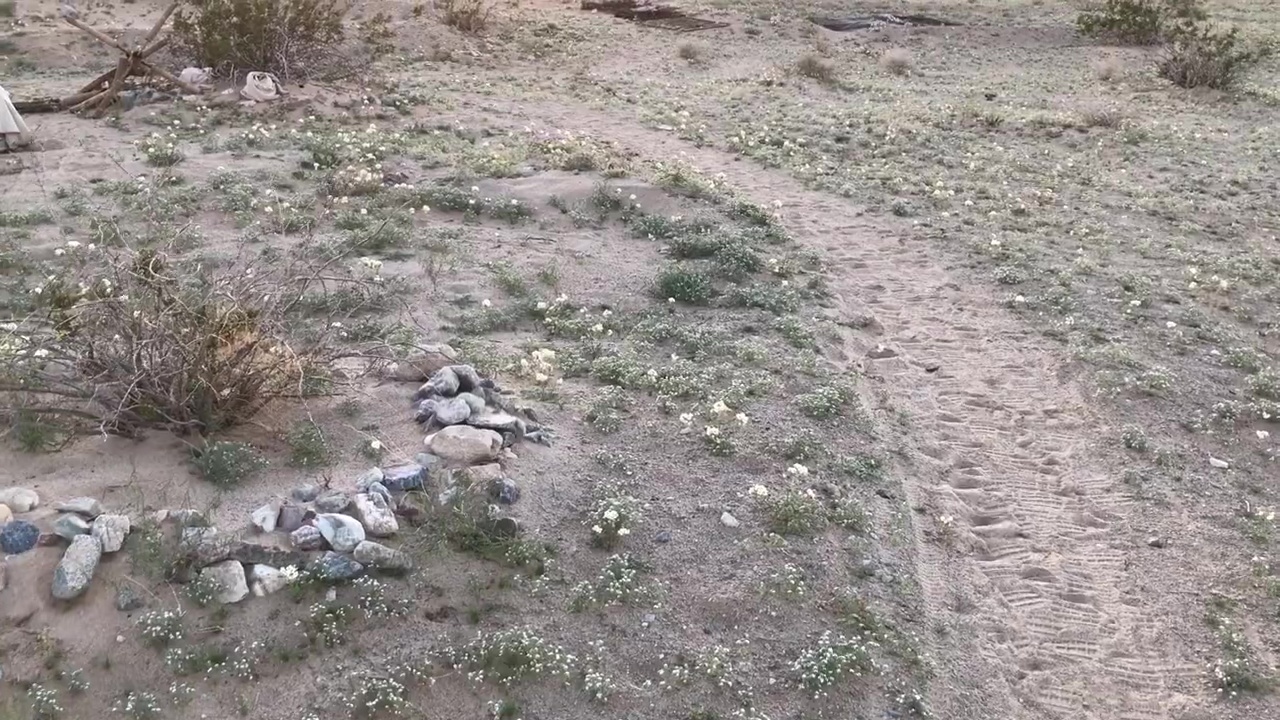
x=1035, y=615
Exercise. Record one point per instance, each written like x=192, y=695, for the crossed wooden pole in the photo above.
x=94, y=99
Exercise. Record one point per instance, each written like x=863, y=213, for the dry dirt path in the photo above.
x=1036, y=607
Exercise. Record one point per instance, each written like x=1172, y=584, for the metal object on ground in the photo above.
x=866, y=22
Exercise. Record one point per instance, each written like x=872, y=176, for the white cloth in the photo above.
x=261, y=87
x=14, y=133
x=196, y=76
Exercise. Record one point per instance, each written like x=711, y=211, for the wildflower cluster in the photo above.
x=832, y=658
x=561, y=318
x=161, y=627
x=621, y=581
x=377, y=696
x=44, y=702
x=137, y=706
x=716, y=433
x=539, y=366
x=371, y=598
x=342, y=147
x=327, y=623
x=612, y=519
x=507, y=656
x=160, y=150
x=788, y=582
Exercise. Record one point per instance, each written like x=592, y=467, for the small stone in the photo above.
x=264, y=580
x=381, y=491
x=69, y=525
x=465, y=445
x=291, y=517
x=86, y=506
x=307, y=537
x=451, y=412
x=205, y=545
x=5, y=514
x=267, y=517
x=111, y=530
x=1158, y=542
x=229, y=579
x=4, y=577
x=334, y=567
x=474, y=402
x=306, y=493
x=649, y=619
x=342, y=532
x=20, y=499
x=189, y=518
x=663, y=536
x=251, y=554
x=369, y=477
x=333, y=501
x=500, y=422
x=880, y=352
x=18, y=536
x=75, y=570
x=128, y=599
x=403, y=478
x=380, y=557
x=728, y=520
x=443, y=383
x=376, y=516
x=505, y=491
x=485, y=474
x=1220, y=464
x=468, y=378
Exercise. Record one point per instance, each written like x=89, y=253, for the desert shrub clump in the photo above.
x=1140, y=22
x=119, y=341
x=290, y=38
x=1200, y=56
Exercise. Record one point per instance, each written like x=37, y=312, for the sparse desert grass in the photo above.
x=469, y=16
x=897, y=61
x=816, y=68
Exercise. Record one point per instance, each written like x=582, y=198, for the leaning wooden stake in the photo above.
x=96, y=99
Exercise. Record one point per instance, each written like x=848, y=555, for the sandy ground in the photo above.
x=1049, y=275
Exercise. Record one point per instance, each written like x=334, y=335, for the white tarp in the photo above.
x=13, y=132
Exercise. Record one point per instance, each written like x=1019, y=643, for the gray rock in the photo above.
x=505, y=527
x=69, y=525
x=474, y=402
x=18, y=536
x=465, y=445
x=485, y=475
x=74, y=572
x=663, y=536
x=189, y=518
x=505, y=491
x=468, y=378
x=306, y=493
x=424, y=411
x=369, y=477
x=443, y=383
x=403, y=478
x=86, y=506
x=250, y=554
x=376, y=515
x=333, y=501
x=111, y=531
x=451, y=412
x=381, y=491
x=267, y=517
x=264, y=580
x=229, y=579
x=20, y=499
x=307, y=537
x=205, y=545
x=342, y=532
x=291, y=517
x=382, y=558
x=728, y=520
x=128, y=599
x=334, y=567
x=498, y=421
